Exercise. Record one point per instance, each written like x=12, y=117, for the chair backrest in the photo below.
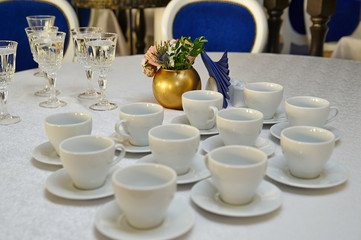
x=233, y=25
x=13, y=22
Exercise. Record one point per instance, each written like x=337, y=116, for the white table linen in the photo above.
x=348, y=48
x=29, y=211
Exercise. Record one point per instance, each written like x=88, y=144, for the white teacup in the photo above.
x=264, y=97
x=239, y=126
x=237, y=171
x=87, y=159
x=144, y=192
x=136, y=120
x=174, y=145
x=309, y=111
x=307, y=149
x=61, y=126
x=201, y=107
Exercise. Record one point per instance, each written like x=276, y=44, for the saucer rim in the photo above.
x=202, y=132
x=91, y=194
x=231, y=210
x=37, y=154
x=126, y=144
x=270, y=143
x=334, y=130
x=302, y=183
x=177, y=203
x=185, y=181
x=274, y=120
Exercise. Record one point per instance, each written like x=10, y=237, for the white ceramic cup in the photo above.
x=87, y=159
x=239, y=126
x=61, y=126
x=174, y=145
x=264, y=97
x=144, y=192
x=237, y=171
x=306, y=149
x=136, y=120
x=201, y=107
x=309, y=111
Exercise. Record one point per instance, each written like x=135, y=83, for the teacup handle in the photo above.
x=206, y=160
x=332, y=117
x=120, y=129
x=214, y=111
x=116, y=159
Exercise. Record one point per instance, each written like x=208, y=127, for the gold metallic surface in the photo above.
x=169, y=85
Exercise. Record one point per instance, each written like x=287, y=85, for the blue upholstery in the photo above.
x=13, y=22
x=215, y=27
x=296, y=16
x=345, y=20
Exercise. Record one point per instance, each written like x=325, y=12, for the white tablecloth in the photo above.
x=28, y=211
x=348, y=48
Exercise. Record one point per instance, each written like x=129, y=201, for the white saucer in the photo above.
x=182, y=119
x=267, y=199
x=111, y=222
x=198, y=170
x=279, y=116
x=277, y=129
x=262, y=144
x=60, y=184
x=334, y=174
x=46, y=153
x=129, y=147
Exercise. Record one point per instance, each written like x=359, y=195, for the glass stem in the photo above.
x=52, y=80
x=4, y=97
x=89, y=76
x=102, y=81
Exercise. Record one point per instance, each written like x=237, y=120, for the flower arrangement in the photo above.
x=174, y=54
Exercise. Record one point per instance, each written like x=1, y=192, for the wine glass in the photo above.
x=32, y=33
x=7, y=70
x=45, y=21
x=78, y=35
x=49, y=51
x=101, y=54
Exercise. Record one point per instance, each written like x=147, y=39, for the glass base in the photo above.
x=45, y=92
x=103, y=106
x=8, y=119
x=52, y=104
x=89, y=95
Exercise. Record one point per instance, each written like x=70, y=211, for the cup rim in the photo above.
x=239, y=147
x=56, y=115
x=178, y=125
x=171, y=181
x=160, y=109
x=207, y=92
x=66, y=141
x=219, y=114
x=284, y=135
x=278, y=88
x=289, y=102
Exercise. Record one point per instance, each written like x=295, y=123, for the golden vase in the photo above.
x=169, y=85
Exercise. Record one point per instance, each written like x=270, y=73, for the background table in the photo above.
x=28, y=211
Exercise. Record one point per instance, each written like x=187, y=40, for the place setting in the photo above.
x=137, y=214
x=306, y=161
x=168, y=144
x=307, y=111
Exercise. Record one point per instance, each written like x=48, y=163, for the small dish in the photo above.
x=46, y=153
x=110, y=221
x=129, y=147
x=334, y=174
x=278, y=117
x=60, y=184
x=182, y=119
x=262, y=144
x=277, y=129
x=267, y=199
x=198, y=170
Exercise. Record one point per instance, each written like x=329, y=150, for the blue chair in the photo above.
x=13, y=22
x=232, y=25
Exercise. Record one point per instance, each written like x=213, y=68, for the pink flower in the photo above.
x=151, y=56
x=149, y=69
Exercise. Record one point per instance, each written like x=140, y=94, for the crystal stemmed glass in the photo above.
x=101, y=54
x=7, y=70
x=32, y=33
x=78, y=35
x=45, y=21
x=49, y=51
